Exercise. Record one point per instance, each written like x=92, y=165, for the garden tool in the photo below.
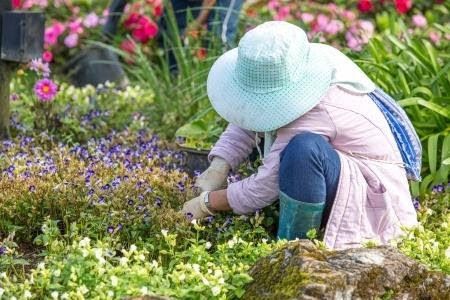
x=98, y=64
x=297, y=217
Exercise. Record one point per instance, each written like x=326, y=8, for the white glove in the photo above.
x=196, y=208
x=215, y=177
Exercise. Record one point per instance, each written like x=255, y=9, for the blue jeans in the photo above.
x=309, y=171
x=223, y=18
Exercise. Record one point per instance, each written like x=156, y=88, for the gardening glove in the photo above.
x=196, y=208
x=215, y=177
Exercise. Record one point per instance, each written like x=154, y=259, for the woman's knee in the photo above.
x=304, y=145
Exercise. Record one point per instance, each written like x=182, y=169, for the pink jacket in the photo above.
x=372, y=200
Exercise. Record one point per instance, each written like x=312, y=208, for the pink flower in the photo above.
x=143, y=29
x=76, y=26
x=91, y=20
x=273, y=4
x=365, y=6
x=47, y=56
x=71, y=41
x=40, y=67
x=434, y=36
x=366, y=32
x=58, y=27
x=283, y=13
x=321, y=23
x=352, y=42
x=50, y=36
x=332, y=7
x=45, y=90
x=307, y=18
x=16, y=4
x=419, y=21
x=348, y=15
x=334, y=27
x=128, y=45
x=403, y=6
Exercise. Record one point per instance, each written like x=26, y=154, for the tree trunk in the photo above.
x=5, y=78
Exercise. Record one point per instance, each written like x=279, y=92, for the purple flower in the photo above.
x=2, y=250
x=14, y=97
x=416, y=203
x=197, y=173
x=101, y=200
x=180, y=186
x=130, y=202
x=119, y=227
x=189, y=215
x=11, y=169
x=90, y=192
x=110, y=229
x=106, y=187
x=158, y=202
x=209, y=219
x=91, y=20
x=32, y=188
x=45, y=90
x=438, y=189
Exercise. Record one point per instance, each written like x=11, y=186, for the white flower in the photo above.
x=41, y=266
x=57, y=273
x=65, y=296
x=123, y=260
x=111, y=294
x=154, y=264
x=194, y=221
x=114, y=280
x=99, y=255
x=83, y=289
x=215, y=290
x=55, y=295
x=2, y=291
x=208, y=245
x=84, y=242
x=144, y=290
x=182, y=277
x=3, y=275
x=447, y=253
x=164, y=232
x=27, y=294
x=196, y=268
x=218, y=273
x=231, y=243
x=141, y=257
x=84, y=252
x=133, y=248
x=205, y=281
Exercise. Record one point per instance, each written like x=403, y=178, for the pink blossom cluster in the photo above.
x=326, y=26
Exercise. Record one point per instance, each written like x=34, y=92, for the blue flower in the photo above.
x=2, y=250
x=110, y=229
x=438, y=189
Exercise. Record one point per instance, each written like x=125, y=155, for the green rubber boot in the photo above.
x=297, y=218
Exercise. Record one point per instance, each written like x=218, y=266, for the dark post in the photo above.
x=5, y=78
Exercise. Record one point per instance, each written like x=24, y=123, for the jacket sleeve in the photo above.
x=235, y=145
x=261, y=189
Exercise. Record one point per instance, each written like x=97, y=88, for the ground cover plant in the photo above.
x=91, y=182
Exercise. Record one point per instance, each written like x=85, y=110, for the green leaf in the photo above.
x=444, y=111
x=432, y=152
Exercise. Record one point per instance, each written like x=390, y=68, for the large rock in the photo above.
x=301, y=271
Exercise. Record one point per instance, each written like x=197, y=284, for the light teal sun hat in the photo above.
x=275, y=76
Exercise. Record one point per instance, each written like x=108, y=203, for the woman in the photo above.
x=332, y=140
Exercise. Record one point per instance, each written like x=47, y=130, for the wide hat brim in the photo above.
x=264, y=112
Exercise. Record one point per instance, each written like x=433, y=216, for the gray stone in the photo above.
x=302, y=271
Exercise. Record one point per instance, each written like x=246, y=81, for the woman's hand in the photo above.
x=215, y=177
x=198, y=208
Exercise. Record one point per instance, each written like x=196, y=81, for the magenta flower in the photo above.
x=71, y=41
x=45, y=90
x=76, y=26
